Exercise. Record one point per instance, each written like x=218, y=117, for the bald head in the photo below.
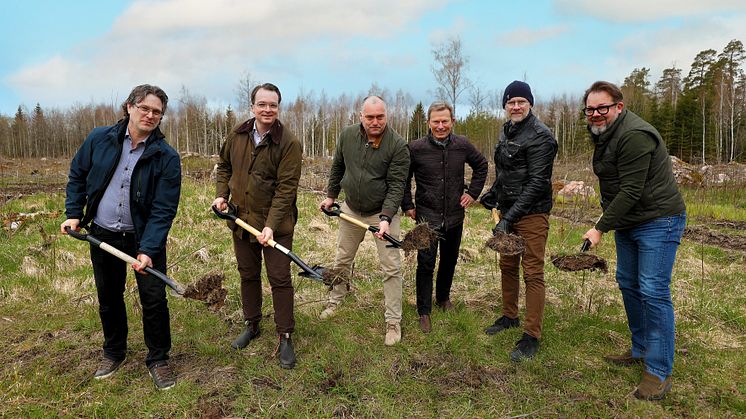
x=373, y=100
x=373, y=116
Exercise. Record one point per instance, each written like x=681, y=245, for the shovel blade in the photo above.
x=317, y=273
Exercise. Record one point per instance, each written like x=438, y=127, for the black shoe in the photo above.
x=286, y=351
x=107, y=367
x=525, y=348
x=250, y=333
x=163, y=376
x=501, y=324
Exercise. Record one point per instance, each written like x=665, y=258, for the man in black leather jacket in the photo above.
x=524, y=158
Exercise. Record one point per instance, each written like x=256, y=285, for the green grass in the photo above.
x=51, y=335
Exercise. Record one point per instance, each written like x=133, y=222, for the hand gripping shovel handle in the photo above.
x=231, y=215
x=587, y=242
x=336, y=212
x=178, y=288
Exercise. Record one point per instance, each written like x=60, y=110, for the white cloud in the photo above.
x=208, y=45
x=660, y=49
x=647, y=10
x=523, y=37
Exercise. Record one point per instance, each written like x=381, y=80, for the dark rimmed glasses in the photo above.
x=602, y=110
x=147, y=109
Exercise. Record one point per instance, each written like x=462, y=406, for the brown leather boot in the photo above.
x=625, y=359
x=652, y=388
x=425, y=323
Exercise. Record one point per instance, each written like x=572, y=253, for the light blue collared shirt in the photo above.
x=114, y=209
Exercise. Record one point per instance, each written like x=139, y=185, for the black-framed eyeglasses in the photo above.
x=147, y=109
x=602, y=110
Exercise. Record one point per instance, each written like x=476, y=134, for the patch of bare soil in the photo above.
x=473, y=377
x=209, y=289
x=212, y=406
x=420, y=237
x=333, y=379
x=506, y=244
x=714, y=238
x=580, y=262
x=17, y=191
x=265, y=382
x=735, y=225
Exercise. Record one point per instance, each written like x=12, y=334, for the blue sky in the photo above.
x=61, y=53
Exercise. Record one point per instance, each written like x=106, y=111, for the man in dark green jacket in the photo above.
x=371, y=163
x=259, y=170
x=642, y=203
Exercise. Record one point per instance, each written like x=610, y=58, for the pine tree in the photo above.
x=418, y=123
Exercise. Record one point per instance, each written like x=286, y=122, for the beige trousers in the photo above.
x=348, y=241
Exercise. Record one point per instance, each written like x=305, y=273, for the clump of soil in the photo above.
x=420, y=237
x=334, y=276
x=209, y=289
x=507, y=244
x=580, y=262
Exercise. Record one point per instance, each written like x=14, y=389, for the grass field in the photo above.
x=50, y=333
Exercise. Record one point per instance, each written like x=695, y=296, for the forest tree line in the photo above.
x=701, y=114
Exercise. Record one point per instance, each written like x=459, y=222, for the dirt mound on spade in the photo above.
x=580, y=262
x=418, y=238
x=209, y=289
x=506, y=244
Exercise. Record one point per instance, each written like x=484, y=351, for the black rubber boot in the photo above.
x=501, y=324
x=250, y=333
x=286, y=351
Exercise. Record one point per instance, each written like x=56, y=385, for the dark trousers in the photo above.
x=249, y=258
x=534, y=229
x=449, y=242
x=110, y=274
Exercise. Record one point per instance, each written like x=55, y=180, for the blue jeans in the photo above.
x=645, y=258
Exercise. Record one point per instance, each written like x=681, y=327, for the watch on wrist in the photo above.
x=386, y=218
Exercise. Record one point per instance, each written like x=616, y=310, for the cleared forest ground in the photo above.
x=51, y=335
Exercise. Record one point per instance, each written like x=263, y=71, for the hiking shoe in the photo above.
x=652, y=388
x=501, y=324
x=162, y=374
x=286, y=351
x=107, y=367
x=328, y=311
x=250, y=333
x=624, y=359
x=425, y=323
x=393, y=333
x=446, y=305
x=525, y=348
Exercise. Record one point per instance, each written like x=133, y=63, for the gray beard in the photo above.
x=598, y=130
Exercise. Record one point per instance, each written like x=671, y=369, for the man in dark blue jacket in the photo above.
x=125, y=180
x=524, y=158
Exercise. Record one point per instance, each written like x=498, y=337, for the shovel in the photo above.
x=178, y=288
x=334, y=211
x=316, y=272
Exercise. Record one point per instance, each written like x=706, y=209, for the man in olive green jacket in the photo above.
x=259, y=170
x=642, y=203
x=371, y=164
